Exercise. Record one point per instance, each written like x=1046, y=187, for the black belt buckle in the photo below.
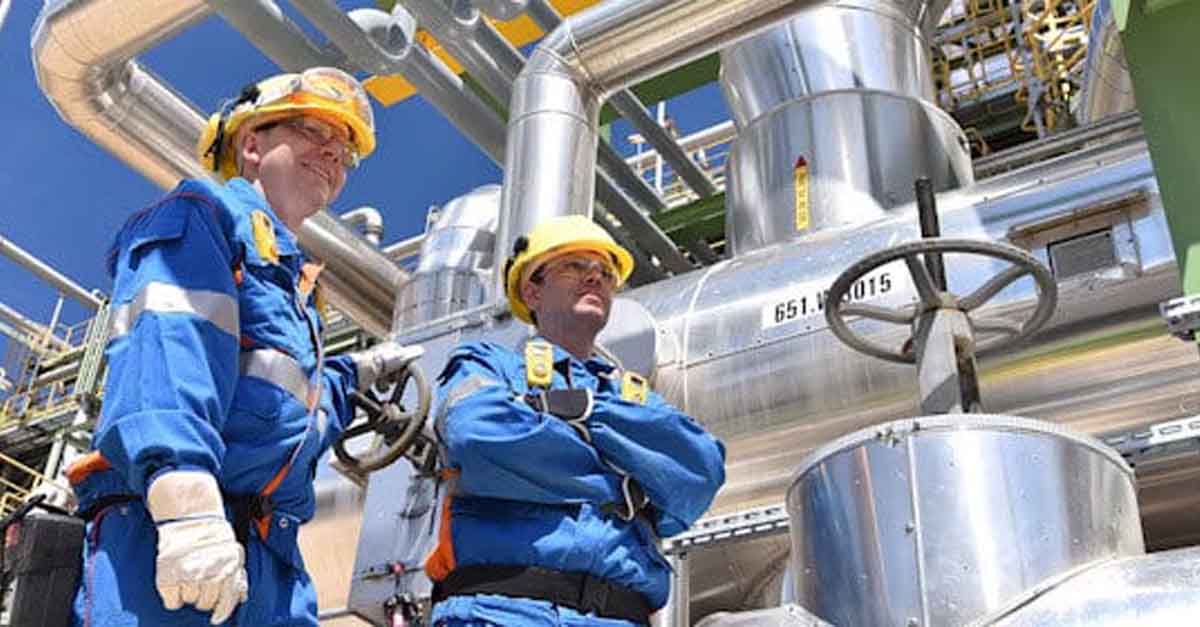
x=593, y=595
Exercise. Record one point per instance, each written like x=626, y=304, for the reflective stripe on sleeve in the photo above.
x=219, y=309
x=271, y=365
x=280, y=369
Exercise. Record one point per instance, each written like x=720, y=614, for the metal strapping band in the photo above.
x=215, y=307
x=273, y=366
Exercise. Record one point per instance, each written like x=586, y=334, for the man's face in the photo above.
x=301, y=162
x=576, y=292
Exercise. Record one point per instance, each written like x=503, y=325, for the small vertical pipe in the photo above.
x=927, y=213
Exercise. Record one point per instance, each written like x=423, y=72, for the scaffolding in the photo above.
x=1008, y=69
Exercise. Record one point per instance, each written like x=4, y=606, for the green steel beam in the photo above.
x=702, y=219
x=681, y=80
x=1159, y=45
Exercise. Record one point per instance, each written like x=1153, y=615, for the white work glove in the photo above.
x=200, y=561
x=383, y=360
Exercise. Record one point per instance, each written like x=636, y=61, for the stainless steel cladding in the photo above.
x=745, y=349
x=1158, y=589
x=835, y=160
x=360, y=280
x=874, y=45
x=944, y=520
x=836, y=118
x=457, y=260
x=1107, y=86
x=551, y=153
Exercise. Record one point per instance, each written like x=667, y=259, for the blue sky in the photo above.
x=64, y=197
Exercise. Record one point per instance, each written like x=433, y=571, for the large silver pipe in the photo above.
x=457, y=260
x=556, y=99
x=1157, y=589
x=367, y=218
x=82, y=55
x=48, y=274
x=493, y=62
x=630, y=106
x=83, y=50
x=365, y=283
x=3, y=14
x=280, y=39
x=836, y=119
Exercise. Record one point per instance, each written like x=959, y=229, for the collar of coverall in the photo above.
x=245, y=191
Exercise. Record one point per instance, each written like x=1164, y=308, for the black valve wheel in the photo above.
x=1001, y=331
x=395, y=429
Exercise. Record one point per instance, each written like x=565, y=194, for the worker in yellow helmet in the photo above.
x=565, y=468
x=219, y=400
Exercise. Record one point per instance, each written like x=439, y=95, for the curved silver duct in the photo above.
x=83, y=57
x=3, y=14
x=457, y=260
x=944, y=520
x=837, y=118
x=1107, y=86
x=368, y=219
x=554, y=114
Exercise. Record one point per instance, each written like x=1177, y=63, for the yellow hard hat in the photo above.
x=323, y=92
x=554, y=237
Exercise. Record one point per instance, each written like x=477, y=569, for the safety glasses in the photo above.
x=577, y=269
x=319, y=133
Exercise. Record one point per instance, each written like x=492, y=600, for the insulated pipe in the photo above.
x=556, y=102
x=628, y=105
x=284, y=43
x=493, y=62
x=3, y=14
x=369, y=219
x=48, y=274
x=391, y=48
x=442, y=88
x=82, y=52
x=365, y=284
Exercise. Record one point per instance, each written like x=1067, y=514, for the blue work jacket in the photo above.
x=213, y=355
x=531, y=491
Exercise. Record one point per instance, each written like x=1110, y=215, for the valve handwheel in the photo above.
x=930, y=297
x=396, y=430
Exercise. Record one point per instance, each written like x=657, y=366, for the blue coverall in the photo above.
x=212, y=357
x=530, y=491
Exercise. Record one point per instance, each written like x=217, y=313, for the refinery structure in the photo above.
x=926, y=284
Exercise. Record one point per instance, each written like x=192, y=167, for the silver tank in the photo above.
x=456, y=262
x=844, y=90
x=945, y=520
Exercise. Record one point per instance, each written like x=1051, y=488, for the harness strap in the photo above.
x=582, y=592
